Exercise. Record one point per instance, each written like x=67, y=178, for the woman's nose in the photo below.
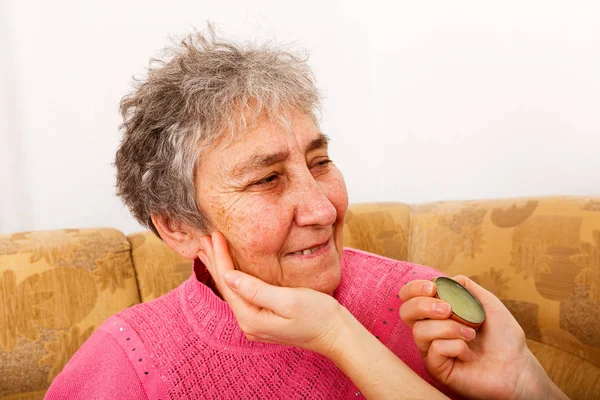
x=313, y=207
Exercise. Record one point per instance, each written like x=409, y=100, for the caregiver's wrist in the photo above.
x=534, y=383
x=341, y=331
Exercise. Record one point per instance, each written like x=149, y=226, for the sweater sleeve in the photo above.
x=100, y=369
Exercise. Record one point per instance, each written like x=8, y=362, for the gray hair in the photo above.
x=201, y=89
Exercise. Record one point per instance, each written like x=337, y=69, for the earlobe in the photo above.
x=177, y=235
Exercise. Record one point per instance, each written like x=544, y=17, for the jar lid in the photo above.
x=466, y=309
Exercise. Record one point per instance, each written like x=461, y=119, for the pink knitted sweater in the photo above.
x=187, y=345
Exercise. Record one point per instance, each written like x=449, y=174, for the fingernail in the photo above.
x=232, y=278
x=467, y=333
x=427, y=287
x=441, y=308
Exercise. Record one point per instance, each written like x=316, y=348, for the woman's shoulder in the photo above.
x=117, y=357
x=100, y=368
x=150, y=318
x=372, y=281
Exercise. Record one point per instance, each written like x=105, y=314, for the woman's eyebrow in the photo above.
x=319, y=143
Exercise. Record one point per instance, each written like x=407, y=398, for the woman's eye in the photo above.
x=322, y=163
x=268, y=179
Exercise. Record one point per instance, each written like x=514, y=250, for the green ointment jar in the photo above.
x=466, y=309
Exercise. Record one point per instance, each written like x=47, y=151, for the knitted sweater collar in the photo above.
x=213, y=318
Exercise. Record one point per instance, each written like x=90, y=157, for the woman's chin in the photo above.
x=321, y=275
x=327, y=282
x=329, y=289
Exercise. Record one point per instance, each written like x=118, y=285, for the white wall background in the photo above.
x=425, y=100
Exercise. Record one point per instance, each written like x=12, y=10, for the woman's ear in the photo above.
x=179, y=236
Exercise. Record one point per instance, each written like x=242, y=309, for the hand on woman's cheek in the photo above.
x=291, y=316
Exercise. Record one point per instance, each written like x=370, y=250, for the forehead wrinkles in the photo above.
x=264, y=144
x=265, y=156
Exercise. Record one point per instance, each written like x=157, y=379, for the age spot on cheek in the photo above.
x=225, y=218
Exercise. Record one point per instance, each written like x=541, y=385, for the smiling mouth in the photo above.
x=310, y=250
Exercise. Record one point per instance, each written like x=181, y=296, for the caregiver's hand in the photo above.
x=291, y=316
x=494, y=363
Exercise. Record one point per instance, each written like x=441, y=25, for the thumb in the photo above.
x=257, y=292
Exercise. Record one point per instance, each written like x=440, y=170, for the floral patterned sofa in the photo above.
x=540, y=256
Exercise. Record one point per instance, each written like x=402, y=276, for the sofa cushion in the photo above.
x=56, y=288
x=159, y=269
x=380, y=228
x=579, y=379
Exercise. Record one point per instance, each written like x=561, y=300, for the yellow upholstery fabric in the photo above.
x=26, y=396
x=578, y=379
x=380, y=228
x=540, y=256
x=159, y=269
x=55, y=288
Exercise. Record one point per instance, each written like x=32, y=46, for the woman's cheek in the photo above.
x=255, y=253
x=257, y=232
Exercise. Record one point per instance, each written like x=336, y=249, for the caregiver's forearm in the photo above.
x=372, y=367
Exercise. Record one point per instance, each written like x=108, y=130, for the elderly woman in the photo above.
x=222, y=157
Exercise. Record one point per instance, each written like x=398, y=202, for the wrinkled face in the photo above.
x=280, y=202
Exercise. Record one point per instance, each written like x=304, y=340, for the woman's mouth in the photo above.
x=310, y=250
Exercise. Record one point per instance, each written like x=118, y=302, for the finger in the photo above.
x=204, y=258
x=219, y=261
x=206, y=255
x=222, y=262
x=219, y=251
x=261, y=294
x=443, y=350
x=420, y=308
x=426, y=331
x=417, y=288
